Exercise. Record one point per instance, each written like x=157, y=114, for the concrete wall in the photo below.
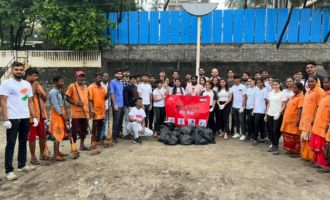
x=247, y=57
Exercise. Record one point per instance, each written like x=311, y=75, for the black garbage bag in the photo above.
x=207, y=134
x=186, y=130
x=171, y=126
x=186, y=139
x=167, y=136
x=171, y=139
x=198, y=137
x=164, y=130
x=176, y=132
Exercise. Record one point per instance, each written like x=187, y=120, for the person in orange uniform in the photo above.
x=77, y=96
x=58, y=116
x=319, y=130
x=327, y=145
x=290, y=124
x=97, y=96
x=311, y=102
x=39, y=99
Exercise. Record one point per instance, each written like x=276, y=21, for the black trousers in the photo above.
x=239, y=120
x=151, y=118
x=211, y=122
x=259, y=126
x=20, y=128
x=160, y=117
x=249, y=122
x=274, y=130
x=117, y=122
x=147, y=111
x=222, y=117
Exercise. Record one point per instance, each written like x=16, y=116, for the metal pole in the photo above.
x=198, y=49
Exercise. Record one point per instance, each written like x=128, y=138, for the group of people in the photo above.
x=253, y=109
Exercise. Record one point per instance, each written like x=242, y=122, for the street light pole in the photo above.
x=198, y=46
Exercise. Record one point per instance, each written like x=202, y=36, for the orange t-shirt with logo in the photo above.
x=291, y=114
x=97, y=95
x=311, y=102
x=322, y=117
x=36, y=100
x=77, y=112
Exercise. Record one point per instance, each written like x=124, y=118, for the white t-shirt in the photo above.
x=238, y=93
x=268, y=86
x=17, y=93
x=145, y=90
x=223, y=95
x=159, y=94
x=260, y=96
x=250, y=93
x=107, y=103
x=275, y=102
x=211, y=95
x=288, y=94
x=178, y=91
x=138, y=114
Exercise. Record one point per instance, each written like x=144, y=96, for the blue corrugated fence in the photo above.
x=220, y=27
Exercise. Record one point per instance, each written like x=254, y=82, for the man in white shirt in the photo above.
x=145, y=92
x=17, y=104
x=239, y=102
x=194, y=89
x=137, y=124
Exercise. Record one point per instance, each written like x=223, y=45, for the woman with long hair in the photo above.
x=215, y=84
x=177, y=88
x=250, y=95
x=291, y=119
x=213, y=98
x=224, y=107
x=202, y=81
x=275, y=108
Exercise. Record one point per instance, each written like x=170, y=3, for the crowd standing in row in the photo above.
x=252, y=109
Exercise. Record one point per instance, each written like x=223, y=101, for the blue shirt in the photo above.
x=117, y=89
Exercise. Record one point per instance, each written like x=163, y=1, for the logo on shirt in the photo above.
x=24, y=92
x=138, y=116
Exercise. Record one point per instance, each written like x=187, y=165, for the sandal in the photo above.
x=225, y=137
x=59, y=158
x=45, y=157
x=35, y=162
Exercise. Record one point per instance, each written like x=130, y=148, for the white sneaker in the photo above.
x=236, y=135
x=11, y=176
x=242, y=138
x=25, y=169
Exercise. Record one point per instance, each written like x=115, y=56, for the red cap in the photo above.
x=80, y=73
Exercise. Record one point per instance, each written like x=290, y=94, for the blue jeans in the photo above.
x=19, y=127
x=104, y=127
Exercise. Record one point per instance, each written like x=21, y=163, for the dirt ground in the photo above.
x=225, y=170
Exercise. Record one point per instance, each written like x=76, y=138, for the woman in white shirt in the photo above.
x=158, y=96
x=215, y=84
x=177, y=89
x=213, y=98
x=275, y=108
x=250, y=95
x=225, y=96
x=259, y=110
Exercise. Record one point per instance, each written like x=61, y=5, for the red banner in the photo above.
x=188, y=110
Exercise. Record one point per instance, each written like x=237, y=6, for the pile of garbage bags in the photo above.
x=187, y=135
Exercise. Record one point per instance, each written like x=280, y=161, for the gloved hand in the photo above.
x=35, y=122
x=7, y=124
x=276, y=116
x=222, y=107
x=211, y=110
x=241, y=110
x=304, y=136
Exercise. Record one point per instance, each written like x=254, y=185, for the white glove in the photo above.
x=7, y=124
x=241, y=110
x=222, y=107
x=276, y=116
x=35, y=122
x=211, y=110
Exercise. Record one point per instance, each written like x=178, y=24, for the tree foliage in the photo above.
x=65, y=24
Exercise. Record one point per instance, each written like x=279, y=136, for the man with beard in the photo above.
x=145, y=92
x=311, y=70
x=194, y=89
x=117, y=98
x=77, y=96
x=96, y=96
x=39, y=100
x=245, y=78
x=17, y=104
x=130, y=94
x=105, y=84
x=201, y=72
x=126, y=76
x=230, y=79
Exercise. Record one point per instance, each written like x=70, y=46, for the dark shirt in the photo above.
x=130, y=93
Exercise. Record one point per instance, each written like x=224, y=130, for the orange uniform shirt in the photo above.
x=97, y=94
x=291, y=114
x=311, y=102
x=37, y=107
x=322, y=117
x=327, y=138
x=77, y=111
